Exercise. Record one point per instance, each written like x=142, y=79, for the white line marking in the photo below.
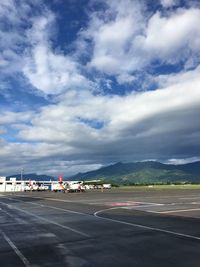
x=172, y=211
x=143, y=206
x=49, y=221
x=65, y=210
x=46, y=198
x=118, y=221
x=85, y=200
x=70, y=211
x=129, y=203
x=52, y=207
x=59, y=200
x=148, y=204
x=190, y=197
x=16, y=250
x=96, y=214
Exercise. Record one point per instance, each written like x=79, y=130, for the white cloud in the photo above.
x=169, y=3
x=183, y=77
x=27, y=49
x=127, y=40
x=49, y=71
x=169, y=38
x=125, y=78
x=84, y=130
x=8, y=117
x=112, y=34
x=11, y=40
x=156, y=124
x=52, y=73
x=15, y=19
x=183, y=161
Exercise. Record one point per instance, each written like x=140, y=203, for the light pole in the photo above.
x=21, y=177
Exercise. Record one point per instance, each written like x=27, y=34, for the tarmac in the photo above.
x=137, y=228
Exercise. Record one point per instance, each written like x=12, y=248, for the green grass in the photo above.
x=186, y=186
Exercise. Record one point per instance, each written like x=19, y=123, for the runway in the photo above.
x=140, y=227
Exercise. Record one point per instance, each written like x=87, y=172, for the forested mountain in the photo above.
x=144, y=172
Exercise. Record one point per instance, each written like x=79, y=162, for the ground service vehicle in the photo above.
x=106, y=186
x=75, y=186
x=58, y=187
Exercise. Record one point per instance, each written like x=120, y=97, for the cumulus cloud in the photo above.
x=8, y=117
x=169, y=3
x=49, y=71
x=84, y=128
x=129, y=40
x=179, y=32
x=112, y=35
x=156, y=124
x=52, y=73
x=10, y=21
x=182, y=77
x=27, y=49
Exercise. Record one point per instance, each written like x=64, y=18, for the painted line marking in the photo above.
x=16, y=250
x=48, y=198
x=128, y=203
x=142, y=206
x=51, y=207
x=83, y=200
x=128, y=206
x=96, y=214
x=41, y=198
x=48, y=221
x=172, y=211
x=122, y=222
x=136, y=205
x=59, y=200
x=190, y=197
x=149, y=204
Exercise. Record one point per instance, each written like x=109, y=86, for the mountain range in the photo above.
x=33, y=176
x=144, y=172
x=132, y=173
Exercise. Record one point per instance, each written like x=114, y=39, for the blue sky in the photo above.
x=87, y=83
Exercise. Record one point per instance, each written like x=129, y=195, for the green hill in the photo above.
x=144, y=172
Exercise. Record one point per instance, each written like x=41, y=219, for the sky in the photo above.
x=87, y=83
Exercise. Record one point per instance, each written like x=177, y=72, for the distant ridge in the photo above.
x=132, y=173
x=33, y=176
x=144, y=172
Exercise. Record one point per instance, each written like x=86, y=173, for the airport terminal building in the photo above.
x=10, y=185
x=14, y=185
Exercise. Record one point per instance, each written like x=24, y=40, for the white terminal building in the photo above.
x=14, y=185
x=10, y=185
